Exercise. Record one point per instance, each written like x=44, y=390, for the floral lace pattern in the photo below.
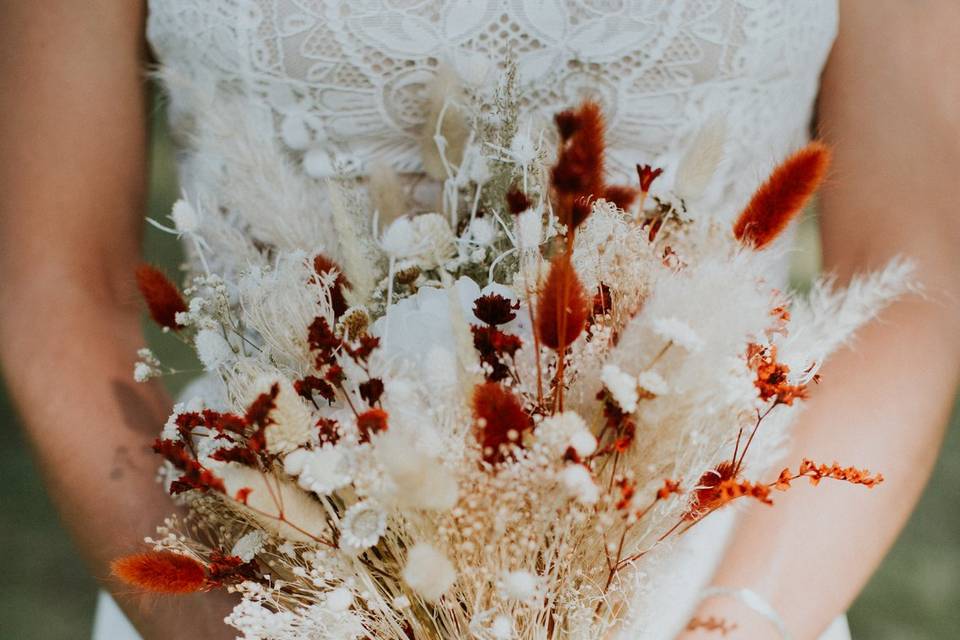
x=345, y=80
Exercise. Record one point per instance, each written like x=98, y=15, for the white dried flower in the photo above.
x=143, y=372
x=184, y=217
x=566, y=430
x=622, y=387
x=522, y=586
x=522, y=150
x=213, y=349
x=678, y=332
x=482, y=232
x=529, y=229
x=362, y=527
x=322, y=470
x=579, y=484
x=400, y=239
x=435, y=240
x=340, y=599
x=428, y=571
x=248, y=546
x=502, y=627
x=653, y=382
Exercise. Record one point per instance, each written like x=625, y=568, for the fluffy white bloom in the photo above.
x=322, y=470
x=400, y=239
x=529, y=228
x=184, y=216
x=340, y=599
x=678, y=332
x=653, y=382
x=362, y=526
x=428, y=571
x=482, y=231
x=435, y=240
x=579, y=484
x=622, y=386
x=248, y=545
x=502, y=627
x=523, y=151
x=564, y=430
x=522, y=586
x=212, y=349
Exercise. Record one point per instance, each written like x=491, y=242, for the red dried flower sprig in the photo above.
x=782, y=196
x=324, y=265
x=772, y=380
x=162, y=297
x=175, y=573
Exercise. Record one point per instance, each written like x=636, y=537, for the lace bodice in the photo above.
x=345, y=80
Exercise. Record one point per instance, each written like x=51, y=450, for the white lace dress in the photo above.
x=337, y=85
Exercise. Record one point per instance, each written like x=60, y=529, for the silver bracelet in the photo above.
x=754, y=601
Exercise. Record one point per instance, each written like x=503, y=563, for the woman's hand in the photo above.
x=890, y=108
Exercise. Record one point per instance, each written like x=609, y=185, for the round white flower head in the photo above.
x=579, y=484
x=565, y=430
x=622, y=387
x=482, y=232
x=678, y=332
x=653, y=382
x=521, y=586
x=362, y=527
x=212, y=349
x=184, y=216
x=428, y=571
x=502, y=627
x=339, y=599
x=293, y=424
x=400, y=239
x=248, y=545
x=523, y=151
x=322, y=470
x=435, y=240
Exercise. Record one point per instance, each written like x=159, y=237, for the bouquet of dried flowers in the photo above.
x=478, y=422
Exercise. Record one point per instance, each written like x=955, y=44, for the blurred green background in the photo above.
x=47, y=594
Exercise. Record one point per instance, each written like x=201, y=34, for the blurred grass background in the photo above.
x=46, y=592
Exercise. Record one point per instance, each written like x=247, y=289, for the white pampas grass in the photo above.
x=828, y=317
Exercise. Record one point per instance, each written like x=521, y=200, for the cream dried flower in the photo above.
x=428, y=571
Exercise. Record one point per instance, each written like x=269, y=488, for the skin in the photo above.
x=890, y=108
x=73, y=142
x=73, y=139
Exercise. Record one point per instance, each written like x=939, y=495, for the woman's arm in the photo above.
x=72, y=182
x=890, y=108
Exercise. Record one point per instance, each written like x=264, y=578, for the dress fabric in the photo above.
x=327, y=87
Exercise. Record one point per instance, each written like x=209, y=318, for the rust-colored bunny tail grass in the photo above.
x=562, y=309
x=161, y=572
x=162, y=296
x=782, y=196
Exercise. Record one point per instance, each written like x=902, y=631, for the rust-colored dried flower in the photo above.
x=162, y=297
x=817, y=472
x=161, y=572
x=500, y=420
x=647, y=175
x=517, y=201
x=370, y=422
x=772, y=377
x=494, y=309
x=782, y=196
x=562, y=309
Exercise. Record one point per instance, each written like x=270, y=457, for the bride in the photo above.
x=338, y=86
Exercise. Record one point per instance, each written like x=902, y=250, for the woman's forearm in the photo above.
x=68, y=365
